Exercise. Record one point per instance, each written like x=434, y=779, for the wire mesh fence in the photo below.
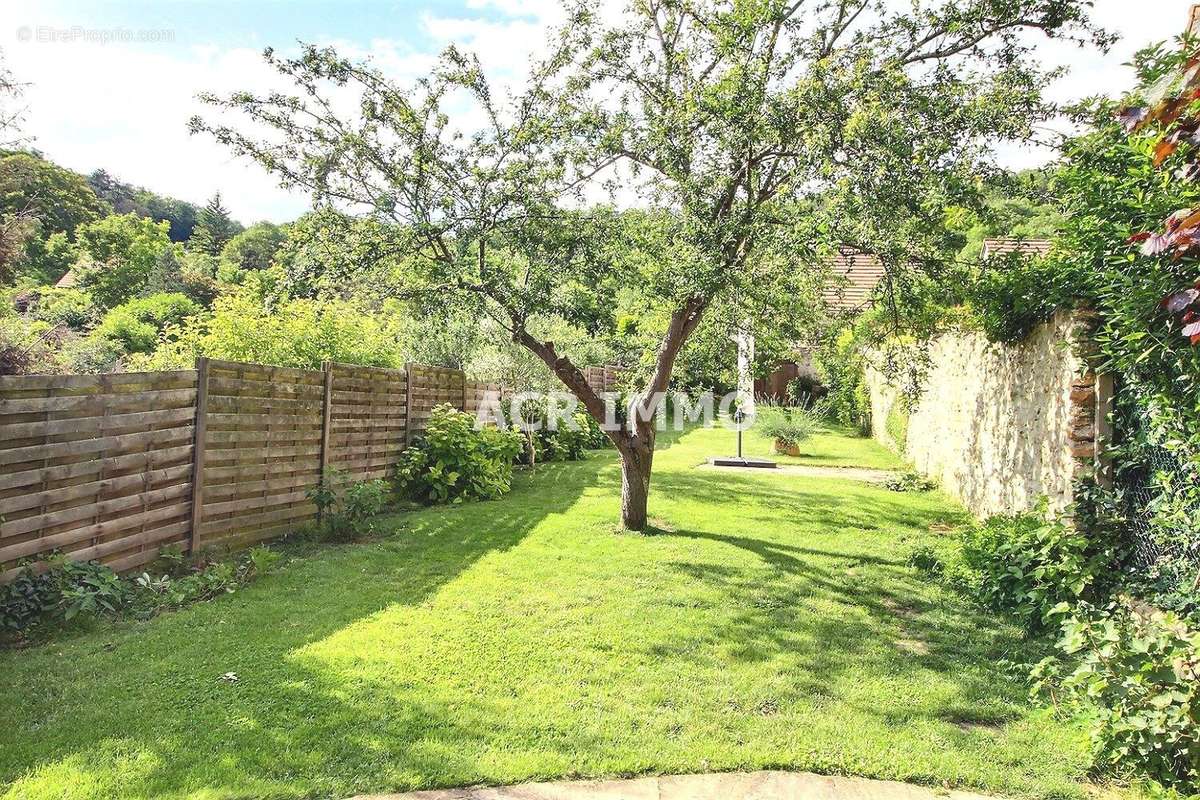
x=1163, y=544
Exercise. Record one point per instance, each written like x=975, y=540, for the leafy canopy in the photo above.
x=724, y=118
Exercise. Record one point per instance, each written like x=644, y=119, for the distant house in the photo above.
x=68, y=281
x=1002, y=247
x=855, y=276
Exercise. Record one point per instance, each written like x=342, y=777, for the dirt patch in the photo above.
x=914, y=647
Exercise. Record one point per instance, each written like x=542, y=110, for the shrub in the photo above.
x=805, y=390
x=453, y=461
x=926, y=560
x=839, y=364
x=136, y=325
x=346, y=508
x=362, y=501
x=786, y=426
x=26, y=346
x=1029, y=564
x=292, y=333
x=64, y=590
x=25, y=601
x=566, y=442
x=1139, y=675
x=73, y=308
x=910, y=482
x=258, y=562
x=91, y=354
x=203, y=581
x=594, y=438
x=87, y=588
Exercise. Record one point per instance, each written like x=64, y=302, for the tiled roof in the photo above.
x=1001, y=247
x=855, y=277
x=67, y=281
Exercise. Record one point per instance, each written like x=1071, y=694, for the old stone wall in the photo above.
x=999, y=426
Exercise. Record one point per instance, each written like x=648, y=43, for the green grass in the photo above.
x=772, y=622
x=830, y=447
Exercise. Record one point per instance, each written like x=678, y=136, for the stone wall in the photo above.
x=999, y=426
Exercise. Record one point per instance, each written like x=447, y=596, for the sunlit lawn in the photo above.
x=831, y=446
x=771, y=622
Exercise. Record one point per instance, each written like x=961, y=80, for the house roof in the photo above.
x=67, y=281
x=856, y=275
x=1004, y=246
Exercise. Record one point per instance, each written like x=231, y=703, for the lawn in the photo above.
x=771, y=622
x=831, y=446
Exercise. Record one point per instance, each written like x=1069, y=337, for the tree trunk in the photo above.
x=635, y=489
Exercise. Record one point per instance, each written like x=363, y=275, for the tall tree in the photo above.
x=725, y=113
x=59, y=198
x=214, y=229
x=254, y=249
x=118, y=255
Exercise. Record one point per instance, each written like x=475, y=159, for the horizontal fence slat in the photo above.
x=254, y=503
x=12, y=383
x=263, y=438
x=227, y=491
x=212, y=528
x=97, y=426
x=238, y=472
x=99, y=403
x=12, y=552
x=15, y=527
x=263, y=372
x=152, y=536
x=165, y=437
x=261, y=453
x=132, y=461
x=240, y=387
x=182, y=472
x=234, y=404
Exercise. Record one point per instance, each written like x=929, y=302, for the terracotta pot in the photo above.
x=786, y=449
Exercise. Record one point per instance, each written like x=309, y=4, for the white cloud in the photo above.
x=124, y=107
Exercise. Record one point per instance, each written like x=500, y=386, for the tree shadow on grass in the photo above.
x=328, y=701
x=85, y=716
x=834, y=597
x=836, y=629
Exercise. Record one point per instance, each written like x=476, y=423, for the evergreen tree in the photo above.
x=214, y=229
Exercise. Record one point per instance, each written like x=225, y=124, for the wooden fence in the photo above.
x=114, y=467
x=101, y=466
x=603, y=379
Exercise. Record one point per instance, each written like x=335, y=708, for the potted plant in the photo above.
x=787, y=426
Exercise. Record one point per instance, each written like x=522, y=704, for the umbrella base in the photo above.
x=734, y=461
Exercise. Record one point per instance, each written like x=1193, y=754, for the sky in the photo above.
x=112, y=83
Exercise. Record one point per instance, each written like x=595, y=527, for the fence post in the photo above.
x=408, y=403
x=199, y=432
x=326, y=419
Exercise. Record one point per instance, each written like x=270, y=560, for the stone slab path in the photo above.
x=767, y=785
x=849, y=473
